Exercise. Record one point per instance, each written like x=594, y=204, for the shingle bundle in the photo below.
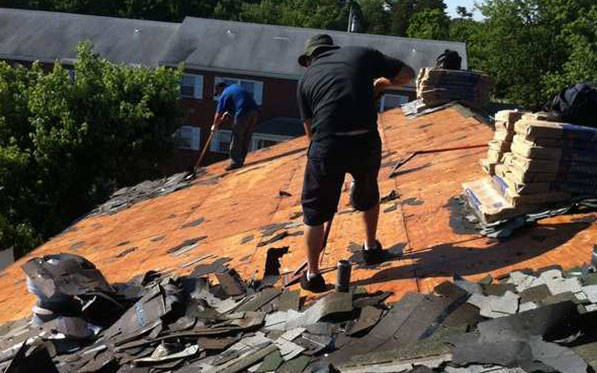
x=534, y=163
x=438, y=86
x=548, y=162
x=502, y=140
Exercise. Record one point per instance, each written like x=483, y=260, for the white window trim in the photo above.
x=382, y=105
x=268, y=137
x=195, y=140
x=197, y=87
x=257, y=94
x=215, y=141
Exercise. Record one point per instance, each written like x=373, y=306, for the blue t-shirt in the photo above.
x=236, y=101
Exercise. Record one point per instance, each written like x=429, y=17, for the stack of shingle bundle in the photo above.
x=502, y=140
x=548, y=162
x=437, y=86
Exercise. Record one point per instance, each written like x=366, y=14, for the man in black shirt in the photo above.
x=336, y=97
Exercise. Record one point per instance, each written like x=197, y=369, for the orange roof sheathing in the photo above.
x=238, y=204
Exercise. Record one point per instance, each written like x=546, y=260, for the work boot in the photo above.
x=373, y=256
x=315, y=284
x=233, y=166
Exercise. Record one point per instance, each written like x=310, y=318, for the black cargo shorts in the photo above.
x=327, y=165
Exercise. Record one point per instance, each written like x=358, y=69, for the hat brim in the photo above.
x=303, y=58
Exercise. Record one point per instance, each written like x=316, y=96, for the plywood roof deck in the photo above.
x=237, y=205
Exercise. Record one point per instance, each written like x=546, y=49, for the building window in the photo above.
x=390, y=101
x=221, y=140
x=263, y=140
x=188, y=137
x=252, y=86
x=220, y=143
x=191, y=86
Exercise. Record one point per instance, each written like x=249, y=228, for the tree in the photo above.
x=463, y=12
x=322, y=14
x=532, y=48
x=159, y=10
x=580, y=35
x=228, y=9
x=375, y=17
x=429, y=24
x=468, y=31
x=66, y=144
x=404, y=10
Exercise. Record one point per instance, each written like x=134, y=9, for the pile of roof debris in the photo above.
x=537, y=168
x=128, y=196
x=543, y=322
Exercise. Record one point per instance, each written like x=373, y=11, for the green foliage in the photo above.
x=65, y=144
x=375, y=17
x=429, y=24
x=534, y=48
x=404, y=10
x=520, y=47
x=463, y=12
x=580, y=35
x=322, y=14
x=469, y=31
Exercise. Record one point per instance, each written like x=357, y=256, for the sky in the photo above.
x=452, y=4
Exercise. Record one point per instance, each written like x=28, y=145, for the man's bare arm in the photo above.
x=307, y=124
x=405, y=75
x=218, y=119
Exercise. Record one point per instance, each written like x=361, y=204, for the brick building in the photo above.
x=263, y=58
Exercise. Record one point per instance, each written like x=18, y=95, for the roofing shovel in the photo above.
x=296, y=275
x=197, y=167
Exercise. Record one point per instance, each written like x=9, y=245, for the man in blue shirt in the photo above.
x=237, y=102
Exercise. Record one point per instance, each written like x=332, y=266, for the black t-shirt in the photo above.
x=336, y=91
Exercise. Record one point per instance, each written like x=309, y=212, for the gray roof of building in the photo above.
x=29, y=35
x=203, y=44
x=273, y=50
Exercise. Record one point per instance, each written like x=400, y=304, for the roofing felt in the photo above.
x=273, y=50
x=49, y=36
x=233, y=214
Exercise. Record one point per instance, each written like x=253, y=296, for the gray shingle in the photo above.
x=208, y=44
x=29, y=35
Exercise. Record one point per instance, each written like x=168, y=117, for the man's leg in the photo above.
x=237, y=145
x=364, y=195
x=251, y=126
x=321, y=192
x=370, y=218
x=314, y=244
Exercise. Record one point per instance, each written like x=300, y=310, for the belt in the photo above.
x=352, y=133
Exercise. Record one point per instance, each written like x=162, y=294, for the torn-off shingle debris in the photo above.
x=156, y=323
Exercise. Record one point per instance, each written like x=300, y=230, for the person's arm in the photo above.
x=218, y=119
x=305, y=111
x=392, y=73
x=307, y=124
x=221, y=113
